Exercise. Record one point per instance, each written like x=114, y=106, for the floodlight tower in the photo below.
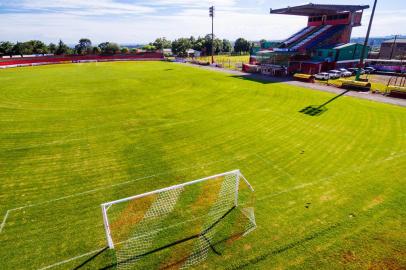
x=211, y=12
x=361, y=61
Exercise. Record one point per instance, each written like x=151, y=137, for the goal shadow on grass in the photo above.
x=87, y=261
x=206, y=237
x=316, y=110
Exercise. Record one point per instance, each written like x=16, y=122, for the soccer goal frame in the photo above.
x=107, y=205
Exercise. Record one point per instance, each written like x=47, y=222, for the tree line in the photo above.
x=179, y=47
x=204, y=44
x=83, y=47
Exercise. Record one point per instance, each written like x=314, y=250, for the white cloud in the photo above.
x=83, y=7
x=106, y=20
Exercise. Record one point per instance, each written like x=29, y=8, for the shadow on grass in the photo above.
x=316, y=110
x=262, y=79
x=90, y=259
x=201, y=235
x=287, y=247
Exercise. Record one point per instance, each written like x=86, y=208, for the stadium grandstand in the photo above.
x=329, y=27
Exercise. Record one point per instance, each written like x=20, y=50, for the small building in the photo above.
x=393, y=49
x=193, y=53
x=344, y=52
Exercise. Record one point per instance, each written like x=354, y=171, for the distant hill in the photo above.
x=375, y=42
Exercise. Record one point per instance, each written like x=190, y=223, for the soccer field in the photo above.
x=330, y=189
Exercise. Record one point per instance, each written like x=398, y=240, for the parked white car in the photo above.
x=322, y=76
x=345, y=73
x=334, y=74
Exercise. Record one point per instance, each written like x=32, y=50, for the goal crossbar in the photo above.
x=107, y=204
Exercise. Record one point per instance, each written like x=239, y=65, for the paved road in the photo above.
x=314, y=86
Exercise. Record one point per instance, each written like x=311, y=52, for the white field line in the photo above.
x=72, y=259
x=106, y=187
x=261, y=198
x=4, y=221
x=274, y=166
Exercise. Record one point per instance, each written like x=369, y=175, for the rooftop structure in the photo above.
x=319, y=10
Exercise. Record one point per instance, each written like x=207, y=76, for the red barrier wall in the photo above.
x=75, y=58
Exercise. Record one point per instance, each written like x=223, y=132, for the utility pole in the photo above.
x=361, y=60
x=393, y=47
x=211, y=11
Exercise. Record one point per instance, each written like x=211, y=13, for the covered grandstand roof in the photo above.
x=318, y=10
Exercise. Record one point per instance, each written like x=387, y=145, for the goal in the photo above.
x=182, y=225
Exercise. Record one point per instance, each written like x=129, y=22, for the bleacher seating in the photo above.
x=317, y=40
x=311, y=37
x=303, y=32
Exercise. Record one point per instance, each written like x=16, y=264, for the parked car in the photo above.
x=322, y=76
x=334, y=74
x=345, y=73
x=355, y=70
x=370, y=70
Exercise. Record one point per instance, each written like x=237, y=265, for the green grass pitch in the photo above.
x=330, y=188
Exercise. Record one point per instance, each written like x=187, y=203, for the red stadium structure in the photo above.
x=328, y=26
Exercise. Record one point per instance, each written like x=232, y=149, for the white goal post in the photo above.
x=198, y=212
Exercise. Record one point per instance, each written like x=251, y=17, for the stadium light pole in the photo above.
x=211, y=11
x=361, y=60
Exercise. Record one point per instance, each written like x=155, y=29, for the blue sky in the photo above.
x=136, y=21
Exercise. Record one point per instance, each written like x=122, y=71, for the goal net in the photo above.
x=182, y=225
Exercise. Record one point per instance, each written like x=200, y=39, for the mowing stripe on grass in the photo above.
x=106, y=187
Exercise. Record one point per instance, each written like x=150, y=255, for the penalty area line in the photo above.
x=72, y=259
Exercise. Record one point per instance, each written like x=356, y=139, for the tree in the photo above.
x=180, y=46
x=125, y=50
x=149, y=48
x=84, y=46
x=218, y=44
x=198, y=44
x=96, y=50
x=109, y=48
x=62, y=48
x=262, y=43
x=242, y=45
x=18, y=49
x=51, y=48
x=162, y=43
x=227, y=47
x=35, y=47
x=6, y=48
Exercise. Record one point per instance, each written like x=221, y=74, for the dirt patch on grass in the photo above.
x=233, y=238
x=129, y=217
x=376, y=201
x=349, y=257
x=325, y=198
x=386, y=264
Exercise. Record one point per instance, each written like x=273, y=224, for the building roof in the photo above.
x=399, y=40
x=318, y=10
